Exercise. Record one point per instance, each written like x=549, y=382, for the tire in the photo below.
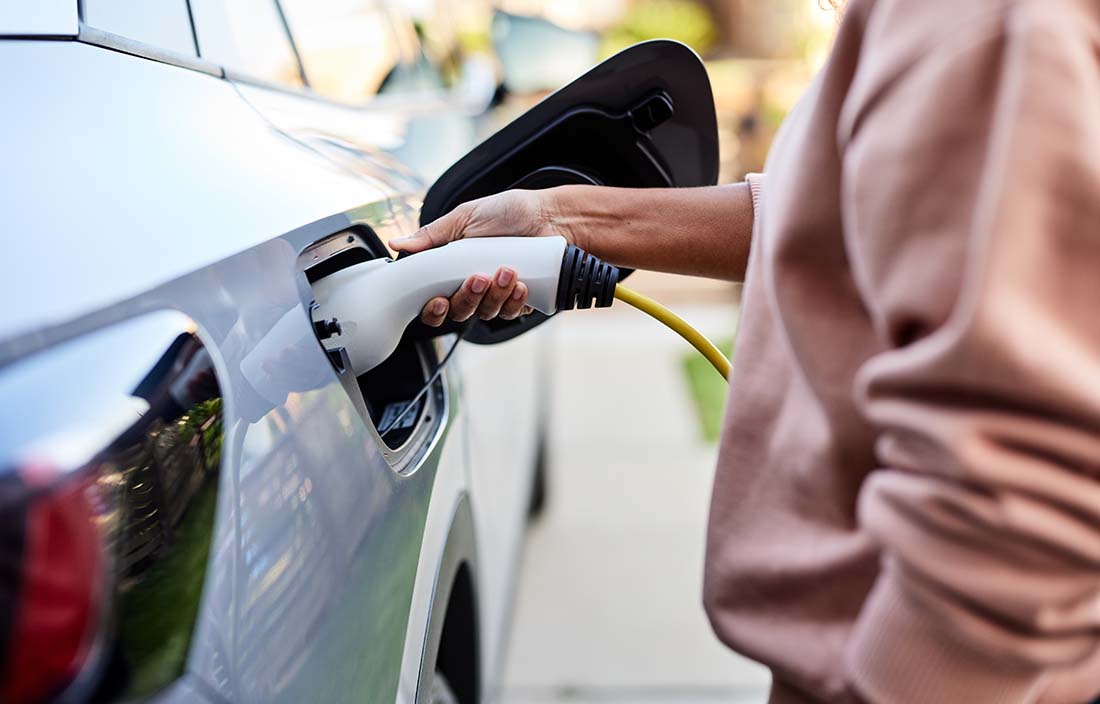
x=441, y=691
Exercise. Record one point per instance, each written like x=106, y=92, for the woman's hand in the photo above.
x=702, y=231
x=511, y=213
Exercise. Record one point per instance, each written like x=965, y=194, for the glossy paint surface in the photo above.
x=148, y=173
x=111, y=453
x=316, y=543
x=160, y=188
x=322, y=536
x=318, y=540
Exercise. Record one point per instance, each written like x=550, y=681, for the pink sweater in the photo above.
x=907, y=507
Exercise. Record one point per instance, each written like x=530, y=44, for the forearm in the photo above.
x=696, y=231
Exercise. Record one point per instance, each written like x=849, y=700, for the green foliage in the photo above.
x=708, y=391
x=159, y=611
x=683, y=20
x=211, y=435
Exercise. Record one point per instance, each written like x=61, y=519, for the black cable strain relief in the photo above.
x=585, y=280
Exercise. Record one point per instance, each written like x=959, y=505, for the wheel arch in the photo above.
x=452, y=640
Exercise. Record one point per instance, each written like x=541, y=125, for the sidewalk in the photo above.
x=609, y=606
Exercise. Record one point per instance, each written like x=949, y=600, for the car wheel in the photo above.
x=441, y=691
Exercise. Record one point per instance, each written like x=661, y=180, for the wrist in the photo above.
x=561, y=213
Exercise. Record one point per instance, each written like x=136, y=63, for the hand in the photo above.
x=511, y=213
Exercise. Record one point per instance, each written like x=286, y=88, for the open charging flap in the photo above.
x=643, y=118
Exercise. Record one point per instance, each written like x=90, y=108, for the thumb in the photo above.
x=434, y=234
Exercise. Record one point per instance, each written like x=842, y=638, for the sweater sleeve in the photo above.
x=972, y=216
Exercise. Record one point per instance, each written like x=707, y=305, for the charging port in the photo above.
x=382, y=394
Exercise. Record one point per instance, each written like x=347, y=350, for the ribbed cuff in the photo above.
x=756, y=188
x=896, y=654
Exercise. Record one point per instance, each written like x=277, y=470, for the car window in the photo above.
x=161, y=23
x=246, y=36
x=352, y=50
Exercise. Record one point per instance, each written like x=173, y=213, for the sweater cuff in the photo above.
x=756, y=189
x=897, y=654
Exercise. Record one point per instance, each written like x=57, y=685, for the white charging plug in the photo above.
x=375, y=301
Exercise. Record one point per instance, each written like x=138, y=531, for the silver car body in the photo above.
x=140, y=180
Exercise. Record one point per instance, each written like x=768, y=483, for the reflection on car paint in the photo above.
x=110, y=461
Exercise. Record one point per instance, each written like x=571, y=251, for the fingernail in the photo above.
x=505, y=276
x=439, y=307
x=518, y=293
x=479, y=285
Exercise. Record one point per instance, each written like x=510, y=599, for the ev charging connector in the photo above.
x=366, y=308
x=375, y=301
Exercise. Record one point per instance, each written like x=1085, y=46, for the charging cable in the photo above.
x=423, y=389
x=680, y=326
x=586, y=280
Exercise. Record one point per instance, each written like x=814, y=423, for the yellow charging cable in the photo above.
x=651, y=307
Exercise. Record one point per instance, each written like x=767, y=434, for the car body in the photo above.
x=195, y=500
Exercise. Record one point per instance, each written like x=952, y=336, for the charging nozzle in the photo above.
x=371, y=304
x=366, y=308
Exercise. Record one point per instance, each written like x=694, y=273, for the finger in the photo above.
x=498, y=293
x=434, y=234
x=435, y=311
x=466, y=300
x=514, y=306
x=527, y=310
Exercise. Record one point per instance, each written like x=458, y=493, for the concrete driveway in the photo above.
x=608, y=608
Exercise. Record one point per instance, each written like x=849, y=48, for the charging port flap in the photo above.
x=644, y=118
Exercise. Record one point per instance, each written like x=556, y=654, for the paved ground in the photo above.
x=608, y=608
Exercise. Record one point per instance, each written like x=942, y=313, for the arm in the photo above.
x=693, y=231
x=975, y=241
x=697, y=231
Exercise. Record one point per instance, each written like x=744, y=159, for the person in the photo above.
x=907, y=503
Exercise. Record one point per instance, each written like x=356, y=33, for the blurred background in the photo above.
x=609, y=602
x=760, y=55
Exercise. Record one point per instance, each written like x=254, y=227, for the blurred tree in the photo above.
x=687, y=21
